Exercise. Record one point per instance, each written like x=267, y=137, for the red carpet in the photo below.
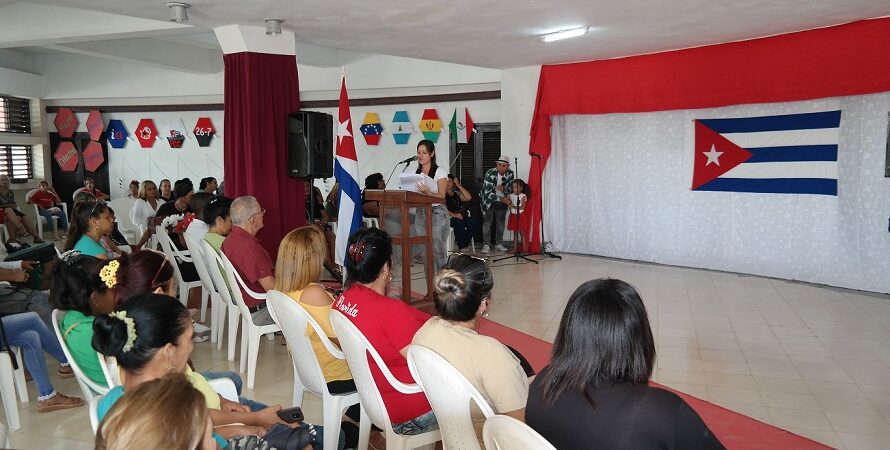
x=735, y=431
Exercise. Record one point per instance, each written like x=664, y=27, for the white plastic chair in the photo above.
x=89, y=387
x=94, y=412
x=110, y=370
x=371, y=222
x=356, y=348
x=209, y=289
x=4, y=437
x=295, y=323
x=251, y=332
x=174, y=254
x=449, y=243
x=225, y=388
x=40, y=220
x=506, y=433
x=12, y=380
x=125, y=225
x=217, y=273
x=450, y=394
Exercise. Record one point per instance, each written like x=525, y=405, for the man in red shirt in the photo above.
x=90, y=186
x=46, y=200
x=248, y=257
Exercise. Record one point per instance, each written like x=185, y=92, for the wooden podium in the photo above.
x=403, y=201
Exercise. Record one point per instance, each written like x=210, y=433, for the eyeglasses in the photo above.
x=262, y=212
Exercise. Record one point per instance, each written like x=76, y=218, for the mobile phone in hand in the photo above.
x=291, y=415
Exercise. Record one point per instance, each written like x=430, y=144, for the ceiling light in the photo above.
x=179, y=12
x=273, y=26
x=564, y=34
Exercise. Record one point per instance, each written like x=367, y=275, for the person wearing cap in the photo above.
x=495, y=187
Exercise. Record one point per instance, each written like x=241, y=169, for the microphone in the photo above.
x=536, y=155
x=409, y=160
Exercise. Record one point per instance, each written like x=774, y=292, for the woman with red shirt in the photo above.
x=388, y=323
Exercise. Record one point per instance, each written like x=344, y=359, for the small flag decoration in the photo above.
x=402, y=126
x=371, y=128
x=117, y=133
x=430, y=125
x=461, y=127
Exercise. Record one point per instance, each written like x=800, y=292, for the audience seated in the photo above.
x=151, y=336
x=166, y=189
x=217, y=216
x=332, y=202
x=113, y=238
x=198, y=227
x=89, y=186
x=183, y=190
x=208, y=185
x=595, y=392
x=163, y=413
x=371, y=208
x=462, y=295
x=47, y=200
x=17, y=222
x=78, y=289
x=248, y=257
x=461, y=222
x=133, y=190
x=298, y=271
x=321, y=219
x=389, y=325
x=90, y=222
x=144, y=209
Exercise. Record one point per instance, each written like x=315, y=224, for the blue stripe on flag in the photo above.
x=793, y=153
x=349, y=186
x=806, y=121
x=822, y=186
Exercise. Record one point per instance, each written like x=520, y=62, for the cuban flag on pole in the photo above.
x=346, y=173
x=785, y=154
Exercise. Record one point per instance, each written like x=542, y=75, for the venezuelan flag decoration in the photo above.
x=402, y=126
x=430, y=125
x=371, y=128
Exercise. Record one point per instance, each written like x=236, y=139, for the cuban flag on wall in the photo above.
x=785, y=154
x=346, y=173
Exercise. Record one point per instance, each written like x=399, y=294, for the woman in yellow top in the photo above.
x=301, y=257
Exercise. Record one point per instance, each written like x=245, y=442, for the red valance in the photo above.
x=849, y=59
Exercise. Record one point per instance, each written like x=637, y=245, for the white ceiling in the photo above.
x=486, y=33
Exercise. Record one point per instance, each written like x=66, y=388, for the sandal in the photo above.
x=66, y=372
x=58, y=401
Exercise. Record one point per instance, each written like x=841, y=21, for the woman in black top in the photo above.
x=595, y=393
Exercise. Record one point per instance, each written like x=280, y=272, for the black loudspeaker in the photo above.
x=310, y=145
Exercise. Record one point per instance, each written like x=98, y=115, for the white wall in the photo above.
x=136, y=163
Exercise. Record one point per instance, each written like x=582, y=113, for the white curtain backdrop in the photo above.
x=618, y=185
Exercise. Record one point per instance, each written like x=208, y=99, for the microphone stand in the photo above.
x=515, y=212
x=406, y=163
x=543, y=251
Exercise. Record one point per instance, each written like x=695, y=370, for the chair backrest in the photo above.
x=77, y=191
x=94, y=412
x=216, y=270
x=169, y=250
x=450, y=394
x=506, y=433
x=200, y=262
x=295, y=322
x=29, y=194
x=235, y=282
x=356, y=349
x=122, y=207
x=89, y=387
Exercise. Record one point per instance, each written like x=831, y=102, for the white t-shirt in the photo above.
x=520, y=200
x=142, y=210
x=197, y=229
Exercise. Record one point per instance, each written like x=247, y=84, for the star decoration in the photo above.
x=713, y=156
x=343, y=130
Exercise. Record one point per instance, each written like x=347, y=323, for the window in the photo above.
x=15, y=115
x=15, y=161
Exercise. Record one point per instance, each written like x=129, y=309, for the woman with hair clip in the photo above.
x=151, y=336
x=163, y=413
x=462, y=296
x=597, y=380
x=90, y=222
x=389, y=325
x=80, y=287
x=426, y=164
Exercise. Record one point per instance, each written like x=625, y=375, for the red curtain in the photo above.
x=848, y=59
x=260, y=91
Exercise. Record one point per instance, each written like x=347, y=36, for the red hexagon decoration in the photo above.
x=146, y=133
x=66, y=123
x=204, y=131
x=95, y=125
x=66, y=156
x=92, y=156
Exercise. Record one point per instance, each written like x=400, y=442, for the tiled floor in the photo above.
x=811, y=359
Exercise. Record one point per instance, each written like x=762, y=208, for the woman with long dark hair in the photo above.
x=90, y=222
x=595, y=392
x=426, y=164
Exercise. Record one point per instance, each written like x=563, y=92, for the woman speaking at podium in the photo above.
x=426, y=164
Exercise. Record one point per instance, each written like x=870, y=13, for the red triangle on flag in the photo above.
x=345, y=142
x=714, y=155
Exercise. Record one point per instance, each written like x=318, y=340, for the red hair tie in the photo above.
x=357, y=250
